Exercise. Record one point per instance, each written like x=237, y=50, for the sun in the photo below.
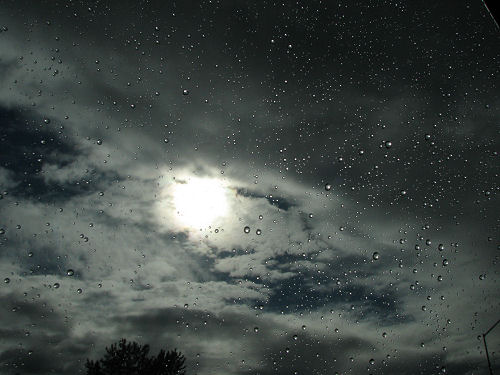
x=199, y=202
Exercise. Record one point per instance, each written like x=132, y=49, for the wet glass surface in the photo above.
x=271, y=188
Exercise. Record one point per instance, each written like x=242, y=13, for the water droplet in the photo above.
x=428, y=242
x=99, y=142
x=311, y=216
x=166, y=140
x=403, y=192
x=384, y=335
x=388, y=144
x=440, y=247
x=56, y=285
x=445, y=262
x=427, y=137
x=246, y=229
x=70, y=272
x=328, y=187
x=482, y=277
x=376, y=256
x=261, y=217
x=256, y=329
x=372, y=361
x=46, y=121
x=79, y=291
x=303, y=328
x=6, y=280
x=295, y=337
x=258, y=232
x=2, y=231
x=185, y=92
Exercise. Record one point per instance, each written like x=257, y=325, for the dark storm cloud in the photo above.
x=35, y=337
x=280, y=202
x=267, y=341
x=29, y=144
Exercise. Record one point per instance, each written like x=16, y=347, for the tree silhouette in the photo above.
x=124, y=358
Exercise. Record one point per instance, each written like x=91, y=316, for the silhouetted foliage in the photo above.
x=124, y=358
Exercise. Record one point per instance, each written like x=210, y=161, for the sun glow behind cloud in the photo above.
x=199, y=202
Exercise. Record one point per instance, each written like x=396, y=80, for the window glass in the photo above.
x=305, y=187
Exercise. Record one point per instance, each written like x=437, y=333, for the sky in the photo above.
x=297, y=188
